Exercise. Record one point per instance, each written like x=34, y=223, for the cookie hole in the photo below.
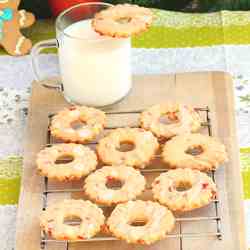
x=113, y=183
x=64, y=159
x=138, y=223
x=183, y=186
x=195, y=150
x=72, y=220
x=78, y=124
x=169, y=118
x=124, y=20
x=126, y=146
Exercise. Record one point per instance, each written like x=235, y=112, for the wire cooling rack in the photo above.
x=217, y=233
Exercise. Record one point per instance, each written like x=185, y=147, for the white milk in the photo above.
x=95, y=70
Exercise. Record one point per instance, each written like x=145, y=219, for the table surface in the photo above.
x=177, y=42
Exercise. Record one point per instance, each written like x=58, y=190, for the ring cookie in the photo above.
x=122, y=20
x=131, y=184
x=169, y=119
x=91, y=122
x=144, y=143
x=156, y=221
x=195, y=151
x=53, y=220
x=84, y=160
x=12, y=21
x=184, y=189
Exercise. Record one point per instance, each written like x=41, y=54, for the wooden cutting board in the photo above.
x=212, y=89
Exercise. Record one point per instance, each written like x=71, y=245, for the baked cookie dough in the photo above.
x=89, y=123
x=122, y=20
x=195, y=151
x=167, y=120
x=90, y=217
x=184, y=189
x=141, y=222
x=84, y=161
x=129, y=184
x=143, y=142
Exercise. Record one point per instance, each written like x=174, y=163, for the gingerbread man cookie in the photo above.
x=11, y=21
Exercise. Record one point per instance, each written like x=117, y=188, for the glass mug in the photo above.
x=94, y=70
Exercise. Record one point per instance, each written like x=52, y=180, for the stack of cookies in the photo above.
x=171, y=129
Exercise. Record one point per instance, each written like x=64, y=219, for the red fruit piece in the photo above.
x=204, y=185
x=141, y=241
x=110, y=178
x=72, y=108
x=49, y=231
x=157, y=182
x=80, y=237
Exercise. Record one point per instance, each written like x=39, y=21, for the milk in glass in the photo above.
x=95, y=69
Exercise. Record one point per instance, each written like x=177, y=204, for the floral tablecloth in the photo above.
x=177, y=42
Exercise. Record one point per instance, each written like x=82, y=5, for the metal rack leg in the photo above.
x=43, y=245
x=218, y=221
x=181, y=240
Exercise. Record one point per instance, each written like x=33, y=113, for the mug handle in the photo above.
x=35, y=51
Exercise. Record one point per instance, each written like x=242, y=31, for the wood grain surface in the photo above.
x=212, y=89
